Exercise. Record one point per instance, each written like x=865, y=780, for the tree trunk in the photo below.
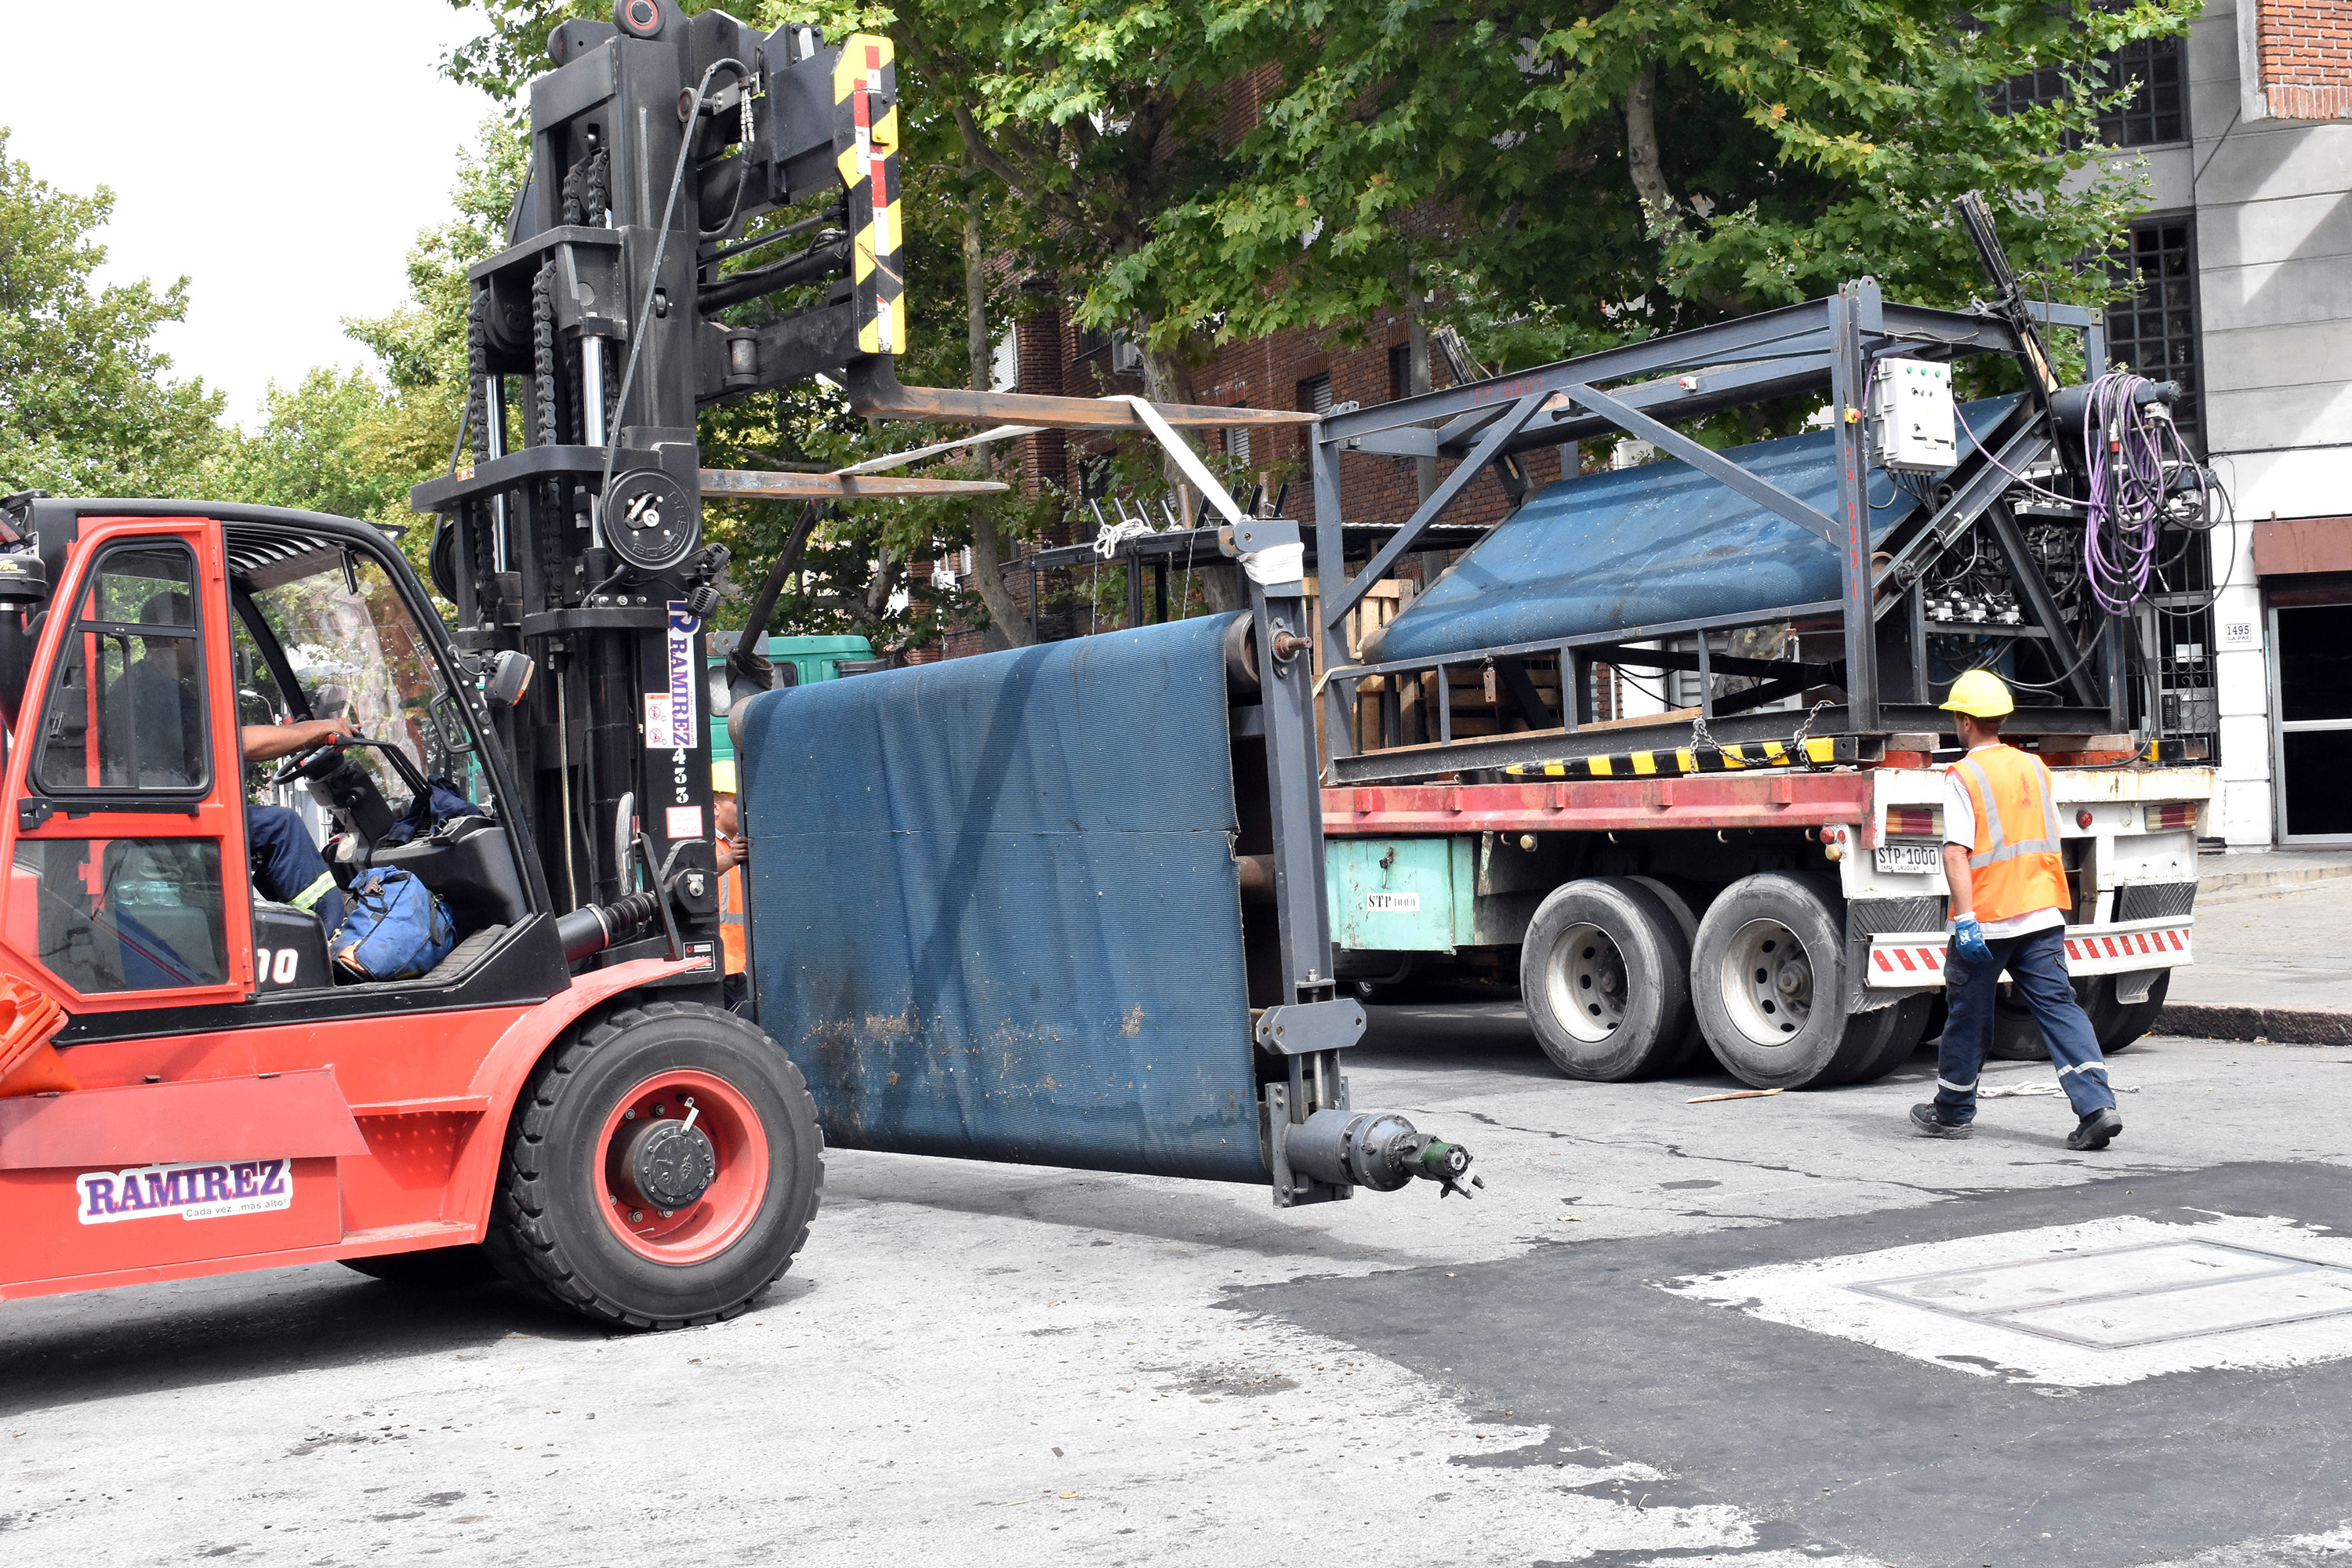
x=1642, y=159
x=1004, y=613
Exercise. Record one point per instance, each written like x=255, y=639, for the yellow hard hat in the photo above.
x=1980, y=694
x=722, y=775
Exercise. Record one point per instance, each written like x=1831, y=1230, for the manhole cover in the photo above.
x=2133, y=1295
x=2096, y=1304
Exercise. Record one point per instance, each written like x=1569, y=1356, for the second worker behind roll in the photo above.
x=2010, y=898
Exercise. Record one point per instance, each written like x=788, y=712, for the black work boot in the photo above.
x=1925, y=1122
x=2098, y=1130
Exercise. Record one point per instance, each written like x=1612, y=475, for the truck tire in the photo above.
x=1692, y=1051
x=576, y=1218
x=1769, y=977
x=2131, y=1020
x=1603, y=976
x=431, y=1268
x=2016, y=1037
x=1908, y=1033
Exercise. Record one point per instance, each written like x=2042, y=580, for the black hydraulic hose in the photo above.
x=653, y=274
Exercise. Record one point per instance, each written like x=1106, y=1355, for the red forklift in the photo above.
x=194, y=1079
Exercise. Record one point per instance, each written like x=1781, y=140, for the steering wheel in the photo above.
x=313, y=764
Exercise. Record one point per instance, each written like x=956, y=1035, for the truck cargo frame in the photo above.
x=1822, y=345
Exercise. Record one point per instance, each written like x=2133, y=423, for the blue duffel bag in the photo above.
x=394, y=928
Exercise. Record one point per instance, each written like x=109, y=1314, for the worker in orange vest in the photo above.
x=2010, y=898
x=727, y=817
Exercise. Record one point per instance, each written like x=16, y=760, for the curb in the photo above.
x=2280, y=1025
x=2284, y=877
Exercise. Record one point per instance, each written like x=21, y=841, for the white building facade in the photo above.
x=2246, y=259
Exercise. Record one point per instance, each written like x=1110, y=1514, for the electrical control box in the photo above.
x=1913, y=429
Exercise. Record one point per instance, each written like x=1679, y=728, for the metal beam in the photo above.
x=2018, y=441
x=1451, y=486
x=1848, y=375
x=1721, y=469
x=876, y=392
x=721, y=483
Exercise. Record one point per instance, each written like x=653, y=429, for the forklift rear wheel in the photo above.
x=661, y=1170
x=1603, y=976
x=1770, y=977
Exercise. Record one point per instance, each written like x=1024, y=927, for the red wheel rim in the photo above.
x=725, y=1211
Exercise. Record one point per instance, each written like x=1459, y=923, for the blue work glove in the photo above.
x=1968, y=939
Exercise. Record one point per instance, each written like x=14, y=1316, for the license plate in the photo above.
x=1910, y=858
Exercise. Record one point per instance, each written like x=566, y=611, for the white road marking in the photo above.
x=2105, y=1302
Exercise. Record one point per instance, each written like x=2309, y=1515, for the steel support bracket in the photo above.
x=1302, y=1028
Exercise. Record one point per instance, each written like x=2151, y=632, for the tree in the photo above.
x=319, y=448
x=87, y=404
x=1555, y=181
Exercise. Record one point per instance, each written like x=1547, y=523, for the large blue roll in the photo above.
x=994, y=908
x=1644, y=546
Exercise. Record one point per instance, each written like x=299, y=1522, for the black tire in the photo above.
x=1908, y=1032
x=549, y=1232
x=1603, y=974
x=1692, y=1050
x=1769, y=979
x=2132, y=1020
x=434, y=1268
x=2016, y=1037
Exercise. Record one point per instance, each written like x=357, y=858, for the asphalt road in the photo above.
x=1608, y=1358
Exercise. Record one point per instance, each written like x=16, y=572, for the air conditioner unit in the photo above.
x=1126, y=359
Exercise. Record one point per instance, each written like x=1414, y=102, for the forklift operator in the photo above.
x=157, y=696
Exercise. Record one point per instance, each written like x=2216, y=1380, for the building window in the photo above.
x=1314, y=394
x=1091, y=341
x=1400, y=371
x=2156, y=112
x=2154, y=332
x=1238, y=443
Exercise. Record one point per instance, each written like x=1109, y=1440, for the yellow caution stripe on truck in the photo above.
x=1736, y=756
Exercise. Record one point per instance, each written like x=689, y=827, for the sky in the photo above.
x=282, y=154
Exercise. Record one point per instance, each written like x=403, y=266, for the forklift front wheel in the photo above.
x=662, y=1169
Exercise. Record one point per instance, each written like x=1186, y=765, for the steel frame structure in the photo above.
x=1644, y=390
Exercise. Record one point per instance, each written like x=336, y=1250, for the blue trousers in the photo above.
x=2037, y=962
x=288, y=867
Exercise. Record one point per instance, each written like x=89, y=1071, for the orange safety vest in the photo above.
x=730, y=920
x=2017, y=869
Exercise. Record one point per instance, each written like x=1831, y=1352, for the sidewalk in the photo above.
x=2274, y=945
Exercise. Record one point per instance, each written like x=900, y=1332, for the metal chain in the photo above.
x=1797, y=741
x=478, y=374
x=542, y=356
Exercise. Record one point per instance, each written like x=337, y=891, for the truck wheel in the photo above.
x=2016, y=1037
x=1602, y=975
x=1769, y=977
x=662, y=1168
x=1692, y=1050
x=432, y=1268
x=2131, y=1020
x=1909, y=1030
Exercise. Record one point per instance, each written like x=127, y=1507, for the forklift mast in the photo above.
x=574, y=537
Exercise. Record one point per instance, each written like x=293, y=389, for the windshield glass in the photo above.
x=357, y=654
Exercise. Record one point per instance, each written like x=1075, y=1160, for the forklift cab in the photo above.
x=166, y=634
